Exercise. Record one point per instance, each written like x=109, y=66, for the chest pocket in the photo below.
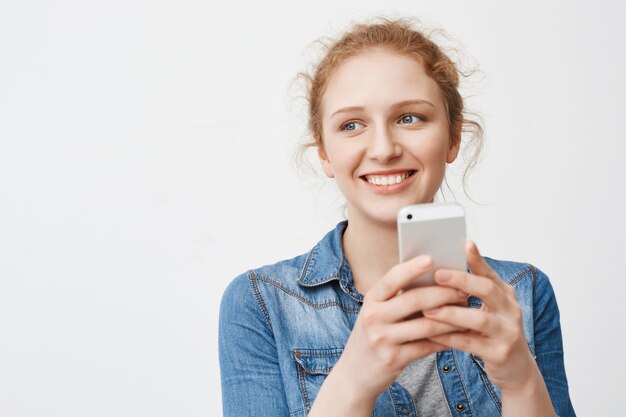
x=313, y=365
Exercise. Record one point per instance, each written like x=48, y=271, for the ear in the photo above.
x=455, y=145
x=324, y=162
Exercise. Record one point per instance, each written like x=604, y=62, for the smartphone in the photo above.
x=435, y=229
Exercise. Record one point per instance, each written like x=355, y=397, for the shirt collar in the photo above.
x=326, y=263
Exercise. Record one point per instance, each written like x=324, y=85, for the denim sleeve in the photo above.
x=549, y=346
x=250, y=374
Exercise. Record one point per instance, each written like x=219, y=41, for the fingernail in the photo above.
x=443, y=276
x=424, y=261
x=473, y=247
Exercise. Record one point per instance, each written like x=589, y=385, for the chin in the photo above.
x=386, y=220
x=383, y=213
x=386, y=216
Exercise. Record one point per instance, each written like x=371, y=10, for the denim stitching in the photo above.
x=331, y=352
x=346, y=284
x=310, y=263
x=317, y=306
x=259, y=299
x=302, y=370
x=487, y=382
x=394, y=401
x=298, y=353
x=534, y=271
x=414, y=411
x=469, y=405
x=306, y=265
x=490, y=390
x=303, y=390
x=475, y=302
x=534, y=274
x=517, y=278
x=530, y=270
x=320, y=282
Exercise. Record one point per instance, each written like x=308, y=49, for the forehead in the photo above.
x=379, y=78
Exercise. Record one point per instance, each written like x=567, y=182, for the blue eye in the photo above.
x=350, y=126
x=409, y=118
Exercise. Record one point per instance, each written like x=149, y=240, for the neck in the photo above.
x=371, y=249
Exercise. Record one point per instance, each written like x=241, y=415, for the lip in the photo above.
x=390, y=189
x=389, y=172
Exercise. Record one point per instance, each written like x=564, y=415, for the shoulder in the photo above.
x=282, y=273
x=244, y=288
x=513, y=272
x=532, y=286
x=298, y=277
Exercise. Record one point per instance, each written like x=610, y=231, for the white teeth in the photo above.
x=387, y=179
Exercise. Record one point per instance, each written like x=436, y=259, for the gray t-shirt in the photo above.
x=421, y=379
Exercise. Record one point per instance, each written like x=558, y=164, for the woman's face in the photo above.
x=385, y=134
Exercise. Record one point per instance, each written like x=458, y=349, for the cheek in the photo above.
x=345, y=154
x=432, y=152
x=430, y=144
x=440, y=145
x=345, y=161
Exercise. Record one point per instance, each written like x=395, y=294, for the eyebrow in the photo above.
x=395, y=106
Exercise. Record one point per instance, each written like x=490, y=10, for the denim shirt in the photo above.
x=284, y=326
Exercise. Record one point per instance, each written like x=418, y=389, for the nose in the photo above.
x=383, y=147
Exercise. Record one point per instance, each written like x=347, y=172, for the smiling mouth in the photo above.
x=391, y=179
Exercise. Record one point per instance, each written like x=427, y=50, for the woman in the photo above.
x=325, y=333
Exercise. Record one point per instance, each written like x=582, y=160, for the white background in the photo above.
x=145, y=160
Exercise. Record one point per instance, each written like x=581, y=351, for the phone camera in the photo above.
x=409, y=216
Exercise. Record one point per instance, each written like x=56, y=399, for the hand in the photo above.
x=496, y=332
x=382, y=341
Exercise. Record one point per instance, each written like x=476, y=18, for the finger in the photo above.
x=417, y=299
x=415, y=350
x=479, y=266
x=479, y=286
x=470, y=318
x=496, y=352
x=469, y=342
x=399, y=277
x=416, y=329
